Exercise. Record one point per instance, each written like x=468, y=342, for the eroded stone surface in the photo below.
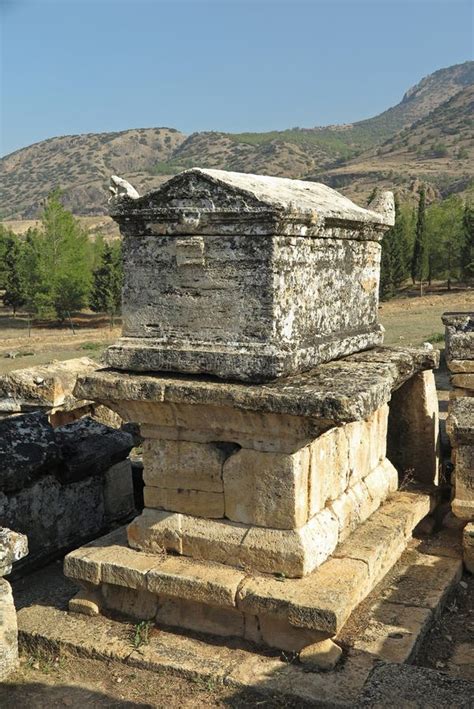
x=217, y=240
x=333, y=393
x=468, y=547
x=45, y=386
x=459, y=341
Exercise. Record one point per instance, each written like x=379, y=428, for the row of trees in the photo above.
x=57, y=269
x=428, y=243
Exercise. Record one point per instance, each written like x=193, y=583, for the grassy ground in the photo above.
x=45, y=342
x=412, y=320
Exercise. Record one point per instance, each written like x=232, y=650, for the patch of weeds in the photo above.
x=208, y=684
x=141, y=634
x=45, y=662
x=437, y=337
x=407, y=479
x=93, y=346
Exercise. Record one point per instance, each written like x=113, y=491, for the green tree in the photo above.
x=386, y=286
x=467, y=248
x=106, y=290
x=444, y=238
x=418, y=262
x=15, y=294
x=62, y=254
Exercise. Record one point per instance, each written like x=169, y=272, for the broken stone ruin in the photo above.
x=290, y=461
x=460, y=422
x=13, y=547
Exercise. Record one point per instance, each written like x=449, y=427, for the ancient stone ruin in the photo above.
x=65, y=485
x=460, y=422
x=272, y=418
x=13, y=547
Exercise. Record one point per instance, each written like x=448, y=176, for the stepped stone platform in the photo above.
x=214, y=598
x=259, y=499
x=380, y=641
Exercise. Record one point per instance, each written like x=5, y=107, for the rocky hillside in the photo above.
x=437, y=149
x=353, y=157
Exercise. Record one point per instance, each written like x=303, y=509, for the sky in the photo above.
x=82, y=66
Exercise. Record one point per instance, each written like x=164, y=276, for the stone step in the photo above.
x=215, y=598
x=420, y=581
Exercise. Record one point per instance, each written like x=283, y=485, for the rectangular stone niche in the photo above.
x=246, y=277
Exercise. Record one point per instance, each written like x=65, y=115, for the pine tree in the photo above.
x=467, y=249
x=14, y=295
x=63, y=262
x=397, y=243
x=386, y=287
x=107, y=283
x=418, y=263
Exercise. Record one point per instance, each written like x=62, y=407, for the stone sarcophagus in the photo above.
x=271, y=507
x=246, y=277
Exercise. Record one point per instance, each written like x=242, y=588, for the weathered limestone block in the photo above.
x=468, y=546
x=191, y=502
x=339, y=392
x=344, y=455
x=8, y=631
x=46, y=387
x=358, y=502
x=292, y=552
x=133, y=603
x=89, y=448
x=199, y=617
x=252, y=271
x=267, y=489
x=463, y=381
x=460, y=427
x=196, y=466
x=28, y=450
x=13, y=546
x=460, y=343
x=201, y=582
x=413, y=440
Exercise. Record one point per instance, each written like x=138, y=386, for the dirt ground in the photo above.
x=45, y=682
x=20, y=347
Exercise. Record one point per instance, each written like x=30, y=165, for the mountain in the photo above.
x=353, y=157
x=437, y=149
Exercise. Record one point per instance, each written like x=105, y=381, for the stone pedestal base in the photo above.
x=218, y=599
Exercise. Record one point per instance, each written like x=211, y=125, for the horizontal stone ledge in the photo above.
x=341, y=391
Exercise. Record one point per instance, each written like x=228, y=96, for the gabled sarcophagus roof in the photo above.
x=197, y=200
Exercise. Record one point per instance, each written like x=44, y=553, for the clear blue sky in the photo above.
x=79, y=66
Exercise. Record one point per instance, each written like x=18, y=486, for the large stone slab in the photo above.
x=44, y=387
x=28, y=450
x=90, y=448
x=334, y=393
x=216, y=240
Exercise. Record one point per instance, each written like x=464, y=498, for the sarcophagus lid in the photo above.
x=246, y=277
